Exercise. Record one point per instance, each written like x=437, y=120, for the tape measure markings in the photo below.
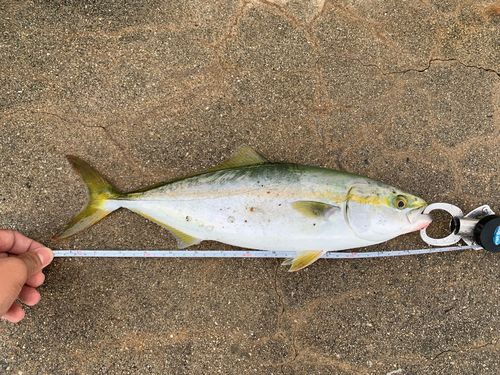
x=243, y=254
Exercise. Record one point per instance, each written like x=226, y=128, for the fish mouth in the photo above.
x=417, y=219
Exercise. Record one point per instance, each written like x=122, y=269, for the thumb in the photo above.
x=35, y=260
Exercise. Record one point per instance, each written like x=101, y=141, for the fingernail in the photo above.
x=46, y=255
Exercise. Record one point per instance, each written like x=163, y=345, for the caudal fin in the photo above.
x=99, y=190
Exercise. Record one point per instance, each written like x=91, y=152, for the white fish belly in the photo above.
x=253, y=222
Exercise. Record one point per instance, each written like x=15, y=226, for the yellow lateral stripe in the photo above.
x=328, y=197
x=372, y=199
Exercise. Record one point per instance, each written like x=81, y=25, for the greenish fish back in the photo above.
x=244, y=157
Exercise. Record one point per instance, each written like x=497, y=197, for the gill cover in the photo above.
x=377, y=212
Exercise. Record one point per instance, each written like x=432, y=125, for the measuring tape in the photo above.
x=479, y=229
x=242, y=254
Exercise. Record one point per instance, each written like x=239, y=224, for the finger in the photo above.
x=15, y=243
x=29, y=295
x=31, y=262
x=36, y=280
x=16, y=270
x=36, y=260
x=15, y=313
x=13, y=275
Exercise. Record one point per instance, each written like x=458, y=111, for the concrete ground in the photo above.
x=404, y=92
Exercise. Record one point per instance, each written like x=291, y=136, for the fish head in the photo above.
x=377, y=212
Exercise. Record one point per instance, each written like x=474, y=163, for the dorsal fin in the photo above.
x=244, y=157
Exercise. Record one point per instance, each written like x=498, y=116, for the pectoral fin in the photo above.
x=315, y=210
x=303, y=259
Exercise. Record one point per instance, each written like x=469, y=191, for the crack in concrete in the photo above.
x=443, y=60
x=238, y=16
x=66, y=120
x=306, y=29
x=281, y=5
x=295, y=349
x=295, y=352
x=318, y=14
x=444, y=352
x=78, y=121
x=493, y=344
x=127, y=157
x=281, y=306
x=489, y=70
x=281, y=311
x=294, y=345
x=281, y=314
x=429, y=64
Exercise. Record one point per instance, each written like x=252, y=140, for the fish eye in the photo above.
x=400, y=202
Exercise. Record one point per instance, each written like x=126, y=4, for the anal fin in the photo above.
x=303, y=259
x=183, y=239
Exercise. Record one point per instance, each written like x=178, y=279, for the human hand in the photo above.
x=21, y=263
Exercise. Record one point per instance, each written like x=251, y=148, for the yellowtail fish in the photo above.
x=250, y=202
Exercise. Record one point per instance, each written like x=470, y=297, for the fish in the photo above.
x=251, y=202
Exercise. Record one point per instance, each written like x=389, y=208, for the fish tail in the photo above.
x=99, y=191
